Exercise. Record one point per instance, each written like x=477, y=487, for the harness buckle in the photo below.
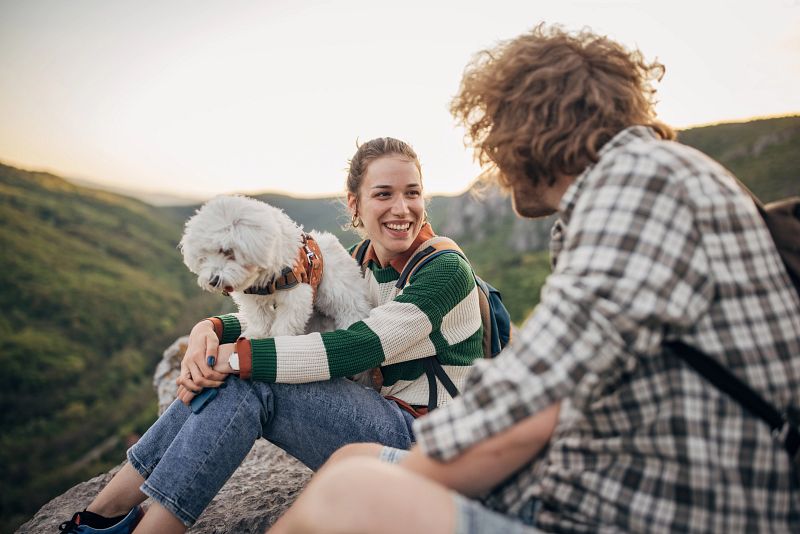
x=310, y=257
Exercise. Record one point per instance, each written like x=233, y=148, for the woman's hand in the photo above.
x=196, y=374
x=223, y=355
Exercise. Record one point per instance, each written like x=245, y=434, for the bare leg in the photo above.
x=362, y=494
x=159, y=520
x=353, y=450
x=120, y=495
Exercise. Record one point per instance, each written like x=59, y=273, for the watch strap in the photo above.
x=245, y=358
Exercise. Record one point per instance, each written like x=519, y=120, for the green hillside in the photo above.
x=94, y=290
x=764, y=154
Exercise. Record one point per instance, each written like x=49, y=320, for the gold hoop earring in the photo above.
x=356, y=221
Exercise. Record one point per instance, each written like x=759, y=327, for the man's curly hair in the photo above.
x=542, y=105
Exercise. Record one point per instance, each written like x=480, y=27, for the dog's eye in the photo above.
x=228, y=253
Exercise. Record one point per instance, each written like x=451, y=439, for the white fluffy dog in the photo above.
x=243, y=247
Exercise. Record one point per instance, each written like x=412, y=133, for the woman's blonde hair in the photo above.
x=542, y=105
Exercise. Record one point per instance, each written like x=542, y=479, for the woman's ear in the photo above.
x=352, y=203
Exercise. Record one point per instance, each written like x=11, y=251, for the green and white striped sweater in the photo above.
x=436, y=313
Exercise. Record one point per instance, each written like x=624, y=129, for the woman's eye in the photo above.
x=413, y=193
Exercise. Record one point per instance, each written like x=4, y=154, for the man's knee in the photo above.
x=354, y=450
x=361, y=479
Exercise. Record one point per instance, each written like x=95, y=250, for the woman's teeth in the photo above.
x=398, y=227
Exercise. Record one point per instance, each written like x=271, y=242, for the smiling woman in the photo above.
x=294, y=390
x=387, y=201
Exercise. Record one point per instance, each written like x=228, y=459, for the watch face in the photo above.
x=234, y=361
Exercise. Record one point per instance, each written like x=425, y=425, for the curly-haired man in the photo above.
x=586, y=423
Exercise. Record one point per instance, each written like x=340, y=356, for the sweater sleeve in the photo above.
x=436, y=309
x=228, y=327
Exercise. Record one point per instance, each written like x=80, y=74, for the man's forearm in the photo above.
x=489, y=462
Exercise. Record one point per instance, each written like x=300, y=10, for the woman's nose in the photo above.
x=399, y=206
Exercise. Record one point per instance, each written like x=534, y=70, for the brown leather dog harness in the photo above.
x=307, y=269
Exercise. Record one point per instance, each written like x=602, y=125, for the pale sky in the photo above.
x=199, y=97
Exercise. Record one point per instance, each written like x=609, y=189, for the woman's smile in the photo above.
x=398, y=228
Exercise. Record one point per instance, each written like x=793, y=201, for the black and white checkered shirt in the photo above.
x=655, y=242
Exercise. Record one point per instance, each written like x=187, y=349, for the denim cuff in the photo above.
x=390, y=455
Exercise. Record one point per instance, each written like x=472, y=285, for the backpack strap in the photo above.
x=426, y=252
x=782, y=218
x=433, y=370
x=784, y=429
x=360, y=251
x=486, y=319
x=783, y=221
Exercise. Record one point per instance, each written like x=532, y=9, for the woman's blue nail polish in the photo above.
x=211, y=360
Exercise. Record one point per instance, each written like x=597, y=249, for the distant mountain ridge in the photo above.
x=94, y=289
x=764, y=154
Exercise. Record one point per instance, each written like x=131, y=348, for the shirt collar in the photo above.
x=623, y=137
x=425, y=233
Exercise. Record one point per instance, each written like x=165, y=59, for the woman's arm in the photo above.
x=489, y=462
x=438, y=309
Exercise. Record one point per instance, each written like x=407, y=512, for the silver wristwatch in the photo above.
x=234, y=361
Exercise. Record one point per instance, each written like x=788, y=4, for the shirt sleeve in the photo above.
x=415, y=324
x=631, y=266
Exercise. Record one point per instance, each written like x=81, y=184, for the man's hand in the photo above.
x=196, y=373
x=488, y=463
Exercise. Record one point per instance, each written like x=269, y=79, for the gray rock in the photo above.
x=167, y=372
x=263, y=487
x=473, y=217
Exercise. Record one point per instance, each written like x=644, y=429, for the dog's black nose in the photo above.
x=214, y=281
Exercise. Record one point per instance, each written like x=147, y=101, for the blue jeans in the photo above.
x=186, y=458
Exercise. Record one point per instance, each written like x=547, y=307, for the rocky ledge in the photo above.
x=257, y=494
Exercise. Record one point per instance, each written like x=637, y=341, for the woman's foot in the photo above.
x=90, y=523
